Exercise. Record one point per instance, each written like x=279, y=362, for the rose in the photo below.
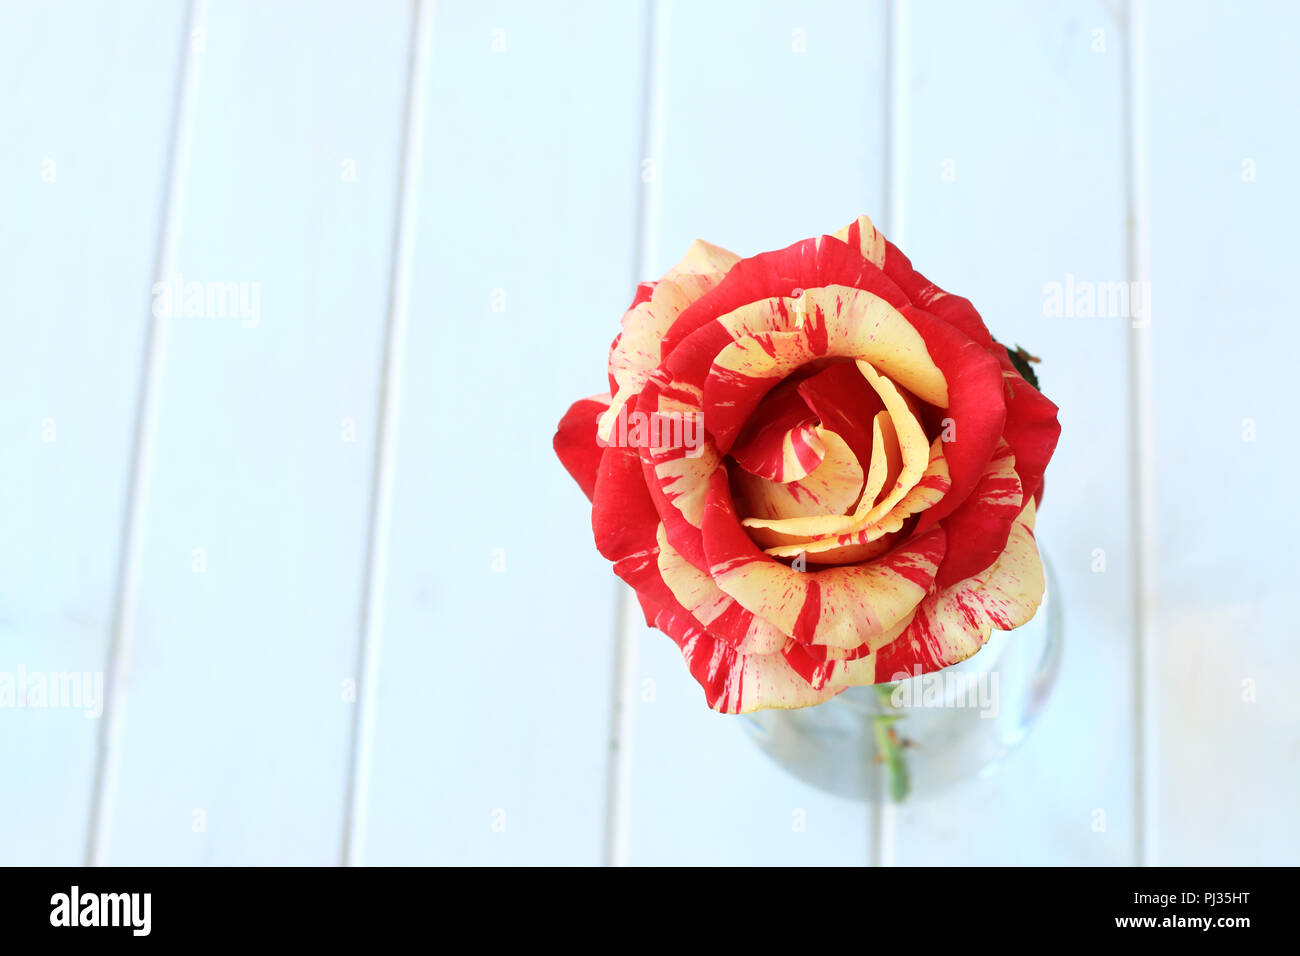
x=815, y=468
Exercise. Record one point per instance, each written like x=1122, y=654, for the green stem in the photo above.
x=889, y=747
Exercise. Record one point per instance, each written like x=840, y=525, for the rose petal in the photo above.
x=866, y=541
x=771, y=340
x=834, y=667
x=834, y=486
x=1031, y=430
x=637, y=349
x=628, y=533
x=978, y=529
x=736, y=683
x=841, y=606
x=809, y=264
x=713, y=608
x=841, y=399
x=976, y=409
x=781, y=441
x=575, y=441
x=954, y=623
x=886, y=458
x=624, y=519
x=913, y=448
x=863, y=236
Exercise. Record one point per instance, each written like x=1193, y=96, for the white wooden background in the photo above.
x=445, y=207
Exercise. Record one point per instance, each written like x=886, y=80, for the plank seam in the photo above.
x=126, y=592
x=882, y=824
x=1141, y=432
x=627, y=628
x=356, y=799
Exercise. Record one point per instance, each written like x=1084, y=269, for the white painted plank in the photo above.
x=234, y=733
x=1011, y=176
x=491, y=726
x=772, y=130
x=1220, y=89
x=87, y=116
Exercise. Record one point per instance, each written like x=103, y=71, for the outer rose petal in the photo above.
x=953, y=309
x=575, y=441
x=863, y=236
x=713, y=608
x=956, y=310
x=835, y=667
x=637, y=349
x=677, y=475
x=1031, y=429
x=810, y=264
x=626, y=529
x=733, y=682
x=625, y=522
x=736, y=683
x=629, y=534
x=954, y=623
x=978, y=529
x=975, y=405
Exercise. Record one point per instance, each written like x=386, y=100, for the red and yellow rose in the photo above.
x=815, y=468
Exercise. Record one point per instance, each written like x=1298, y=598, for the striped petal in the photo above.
x=773, y=338
x=862, y=236
x=840, y=399
x=886, y=461
x=833, y=486
x=974, y=413
x=953, y=309
x=809, y=264
x=954, y=623
x=978, y=529
x=781, y=443
x=865, y=539
x=637, y=350
x=913, y=446
x=575, y=441
x=840, y=606
x=1031, y=428
x=713, y=608
x=736, y=683
x=901, y=429
x=801, y=391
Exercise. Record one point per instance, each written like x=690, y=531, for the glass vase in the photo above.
x=914, y=738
